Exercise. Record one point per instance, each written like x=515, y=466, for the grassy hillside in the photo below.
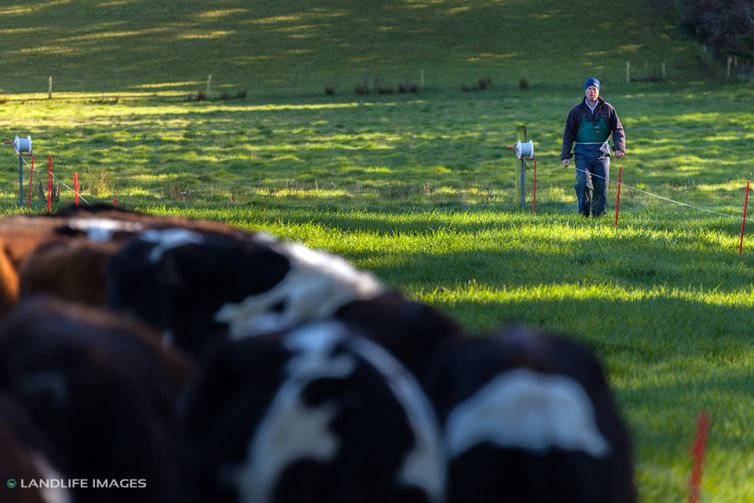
x=286, y=47
x=417, y=187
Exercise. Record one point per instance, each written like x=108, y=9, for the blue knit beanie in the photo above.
x=591, y=81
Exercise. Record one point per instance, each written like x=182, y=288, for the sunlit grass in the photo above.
x=476, y=292
x=298, y=48
x=664, y=300
x=418, y=187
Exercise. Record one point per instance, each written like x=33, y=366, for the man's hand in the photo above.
x=565, y=162
x=619, y=154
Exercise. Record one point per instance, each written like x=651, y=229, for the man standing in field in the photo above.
x=590, y=124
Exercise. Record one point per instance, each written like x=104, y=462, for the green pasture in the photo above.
x=418, y=188
x=286, y=47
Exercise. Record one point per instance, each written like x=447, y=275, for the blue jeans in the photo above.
x=592, y=174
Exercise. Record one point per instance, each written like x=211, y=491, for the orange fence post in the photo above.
x=76, y=186
x=49, y=183
x=617, y=198
x=31, y=184
x=743, y=220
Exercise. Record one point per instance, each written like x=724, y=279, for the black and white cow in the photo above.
x=103, y=390
x=417, y=334
x=315, y=414
x=197, y=286
x=530, y=417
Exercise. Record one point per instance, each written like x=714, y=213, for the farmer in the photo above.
x=590, y=124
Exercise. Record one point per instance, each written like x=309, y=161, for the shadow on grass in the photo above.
x=639, y=331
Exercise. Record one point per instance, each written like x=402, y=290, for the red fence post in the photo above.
x=617, y=198
x=534, y=195
x=76, y=186
x=31, y=185
x=49, y=183
x=697, y=452
x=743, y=220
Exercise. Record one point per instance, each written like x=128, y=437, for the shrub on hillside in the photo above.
x=481, y=84
x=363, y=88
x=726, y=25
x=408, y=87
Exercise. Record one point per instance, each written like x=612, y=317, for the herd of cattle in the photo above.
x=190, y=361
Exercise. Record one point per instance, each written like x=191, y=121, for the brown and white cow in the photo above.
x=27, y=456
x=104, y=391
x=63, y=254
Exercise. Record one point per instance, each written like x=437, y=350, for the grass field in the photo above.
x=285, y=47
x=417, y=187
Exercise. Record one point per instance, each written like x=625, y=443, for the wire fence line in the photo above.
x=528, y=166
x=651, y=194
x=59, y=180
x=713, y=131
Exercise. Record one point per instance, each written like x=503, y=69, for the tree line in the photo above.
x=725, y=25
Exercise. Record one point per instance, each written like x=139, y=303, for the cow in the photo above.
x=197, y=287
x=528, y=416
x=417, y=334
x=27, y=456
x=104, y=391
x=71, y=270
x=315, y=413
x=8, y=284
x=64, y=253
